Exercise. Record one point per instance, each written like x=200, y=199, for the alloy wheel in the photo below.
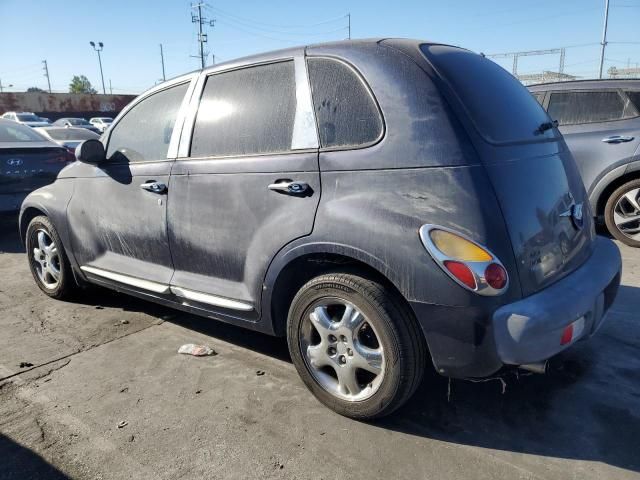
x=45, y=258
x=626, y=214
x=342, y=350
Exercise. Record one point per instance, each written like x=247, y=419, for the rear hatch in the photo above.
x=27, y=166
x=534, y=176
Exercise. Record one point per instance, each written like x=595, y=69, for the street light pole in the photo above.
x=99, y=49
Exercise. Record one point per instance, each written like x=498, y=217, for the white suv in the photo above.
x=101, y=123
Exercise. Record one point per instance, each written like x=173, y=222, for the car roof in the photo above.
x=587, y=85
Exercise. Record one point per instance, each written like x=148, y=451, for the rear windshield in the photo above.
x=71, y=134
x=499, y=106
x=14, y=132
x=78, y=121
x=28, y=118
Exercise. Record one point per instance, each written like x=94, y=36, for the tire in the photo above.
x=624, y=203
x=372, y=328
x=51, y=270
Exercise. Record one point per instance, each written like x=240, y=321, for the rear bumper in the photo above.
x=530, y=329
x=10, y=202
x=477, y=341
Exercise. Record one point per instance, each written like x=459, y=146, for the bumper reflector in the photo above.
x=572, y=332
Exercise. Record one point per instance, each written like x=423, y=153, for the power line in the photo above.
x=275, y=26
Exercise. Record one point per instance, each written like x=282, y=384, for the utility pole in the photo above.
x=202, y=37
x=162, y=60
x=110, y=88
x=99, y=49
x=604, y=35
x=349, y=17
x=46, y=74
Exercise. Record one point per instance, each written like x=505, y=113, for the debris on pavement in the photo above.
x=259, y=372
x=123, y=424
x=121, y=322
x=26, y=364
x=196, y=350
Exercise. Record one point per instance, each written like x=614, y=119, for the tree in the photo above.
x=81, y=84
x=35, y=89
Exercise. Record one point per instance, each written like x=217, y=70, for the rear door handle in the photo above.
x=153, y=186
x=289, y=186
x=617, y=139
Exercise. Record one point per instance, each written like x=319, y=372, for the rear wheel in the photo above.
x=355, y=345
x=622, y=213
x=47, y=259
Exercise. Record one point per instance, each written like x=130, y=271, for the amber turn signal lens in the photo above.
x=459, y=248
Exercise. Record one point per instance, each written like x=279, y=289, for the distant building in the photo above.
x=58, y=105
x=624, y=72
x=545, y=77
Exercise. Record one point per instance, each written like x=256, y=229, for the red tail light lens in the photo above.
x=461, y=272
x=567, y=335
x=496, y=276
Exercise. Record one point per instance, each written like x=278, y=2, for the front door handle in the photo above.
x=289, y=186
x=153, y=186
x=617, y=139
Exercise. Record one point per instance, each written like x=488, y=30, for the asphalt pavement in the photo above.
x=103, y=393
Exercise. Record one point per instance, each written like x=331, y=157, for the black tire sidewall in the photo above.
x=382, y=401
x=609, y=210
x=64, y=284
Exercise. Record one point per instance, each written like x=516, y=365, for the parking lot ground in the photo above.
x=108, y=396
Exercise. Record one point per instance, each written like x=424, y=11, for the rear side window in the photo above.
x=571, y=108
x=346, y=113
x=539, y=96
x=635, y=99
x=500, y=107
x=246, y=112
x=145, y=131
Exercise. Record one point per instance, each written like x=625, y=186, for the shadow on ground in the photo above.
x=20, y=463
x=586, y=408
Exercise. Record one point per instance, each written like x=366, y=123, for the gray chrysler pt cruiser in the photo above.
x=384, y=204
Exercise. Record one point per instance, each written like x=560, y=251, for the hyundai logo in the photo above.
x=14, y=162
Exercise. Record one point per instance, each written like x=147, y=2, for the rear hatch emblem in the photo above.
x=14, y=162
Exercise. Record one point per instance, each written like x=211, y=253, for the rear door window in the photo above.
x=500, y=107
x=250, y=111
x=346, y=112
x=539, y=96
x=571, y=108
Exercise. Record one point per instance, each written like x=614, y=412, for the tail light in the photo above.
x=61, y=156
x=469, y=264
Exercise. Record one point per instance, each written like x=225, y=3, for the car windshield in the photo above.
x=70, y=134
x=78, y=121
x=18, y=133
x=23, y=117
x=106, y=120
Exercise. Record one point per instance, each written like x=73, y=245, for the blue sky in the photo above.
x=60, y=31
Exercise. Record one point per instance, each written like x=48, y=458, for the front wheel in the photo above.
x=622, y=213
x=355, y=345
x=47, y=259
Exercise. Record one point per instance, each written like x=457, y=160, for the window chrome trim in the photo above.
x=127, y=280
x=211, y=299
x=477, y=268
x=305, y=134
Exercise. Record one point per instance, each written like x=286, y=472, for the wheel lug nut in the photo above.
x=332, y=351
x=343, y=339
x=332, y=339
x=342, y=359
x=349, y=352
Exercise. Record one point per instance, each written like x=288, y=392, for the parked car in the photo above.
x=75, y=122
x=600, y=121
x=364, y=199
x=101, y=123
x=68, y=137
x=26, y=118
x=27, y=162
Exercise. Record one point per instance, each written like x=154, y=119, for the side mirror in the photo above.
x=90, y=151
